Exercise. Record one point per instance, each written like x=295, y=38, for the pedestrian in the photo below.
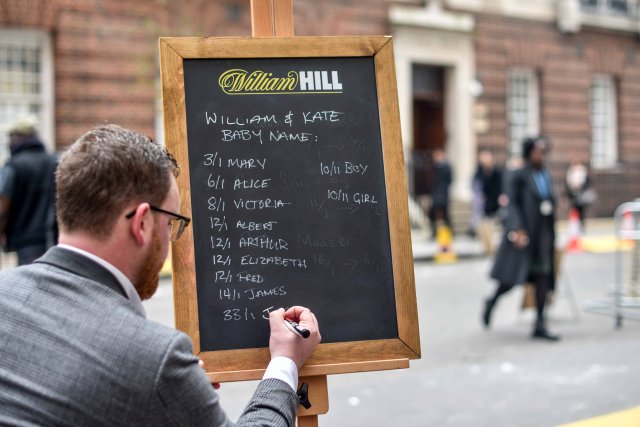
x=27, y=194
x=490, y=177
x=578, y=189
x=488, y=182
x=76, y=346
x=439, y=210
x=527, y=250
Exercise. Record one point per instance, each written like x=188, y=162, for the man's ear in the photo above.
x=140, y=226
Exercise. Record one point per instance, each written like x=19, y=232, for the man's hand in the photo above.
x=284, y=342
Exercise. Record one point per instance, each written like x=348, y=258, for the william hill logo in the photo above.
x=242, y=82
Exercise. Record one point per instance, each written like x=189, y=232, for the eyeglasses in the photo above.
x=177, y=224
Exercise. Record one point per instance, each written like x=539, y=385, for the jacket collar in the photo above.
x=81, y=265
x=29, y=144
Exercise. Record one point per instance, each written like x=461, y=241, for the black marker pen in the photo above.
x=294, y=327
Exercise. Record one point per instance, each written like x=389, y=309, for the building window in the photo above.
x=604, y=132
x=523, y=117
x=26, y=82
x=608, y=7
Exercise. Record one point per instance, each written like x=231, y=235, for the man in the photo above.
x=490, y=177
x=439, y=211
x=75, y=347
x=487, y=188
x=27, y=216
x=527, y=250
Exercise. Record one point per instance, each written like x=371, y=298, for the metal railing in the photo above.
x=624, y=299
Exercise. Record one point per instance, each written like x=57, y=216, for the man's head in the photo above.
x=485, y=158
x=106, y=171
x=110, y=184
x=439, y=156
x=534, y=150
x=23, y=128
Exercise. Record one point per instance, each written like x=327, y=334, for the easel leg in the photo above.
x=319, y=399
x=310, y=421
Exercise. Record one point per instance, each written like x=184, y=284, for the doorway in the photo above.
x=429, y=131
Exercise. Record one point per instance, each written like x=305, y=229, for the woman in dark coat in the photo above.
x=527, y=250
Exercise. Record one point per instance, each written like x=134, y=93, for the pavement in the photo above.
x=469, y=376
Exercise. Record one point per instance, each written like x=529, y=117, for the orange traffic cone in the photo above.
x=573, y=245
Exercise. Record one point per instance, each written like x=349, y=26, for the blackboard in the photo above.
x=292, y=171
x=288, y=198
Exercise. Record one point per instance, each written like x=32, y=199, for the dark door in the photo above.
x=428, y=124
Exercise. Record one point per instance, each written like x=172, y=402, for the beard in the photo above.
x=148, y=276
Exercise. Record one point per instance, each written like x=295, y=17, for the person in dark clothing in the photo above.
x=490, y=178
x=439, y=210
x=527, y=250
x=487, y=186
x=27, y=194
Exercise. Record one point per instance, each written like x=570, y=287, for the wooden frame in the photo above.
x=232, y=365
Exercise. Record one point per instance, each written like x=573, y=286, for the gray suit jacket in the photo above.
x=74, y=352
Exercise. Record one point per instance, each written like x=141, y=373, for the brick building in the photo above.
x=568, y=69
x=471, y=73
x=76, y=63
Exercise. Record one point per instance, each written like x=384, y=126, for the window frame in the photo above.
x=604, y=129
x=42, y=39
x=605, y=7
x=532, y=101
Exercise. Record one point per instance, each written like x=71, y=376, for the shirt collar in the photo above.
x=123, y=280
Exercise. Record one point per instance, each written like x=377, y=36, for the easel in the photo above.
x=272, y=24
x=274, y=18
x=271, y=18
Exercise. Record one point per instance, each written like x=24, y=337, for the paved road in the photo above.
x=469, y=376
